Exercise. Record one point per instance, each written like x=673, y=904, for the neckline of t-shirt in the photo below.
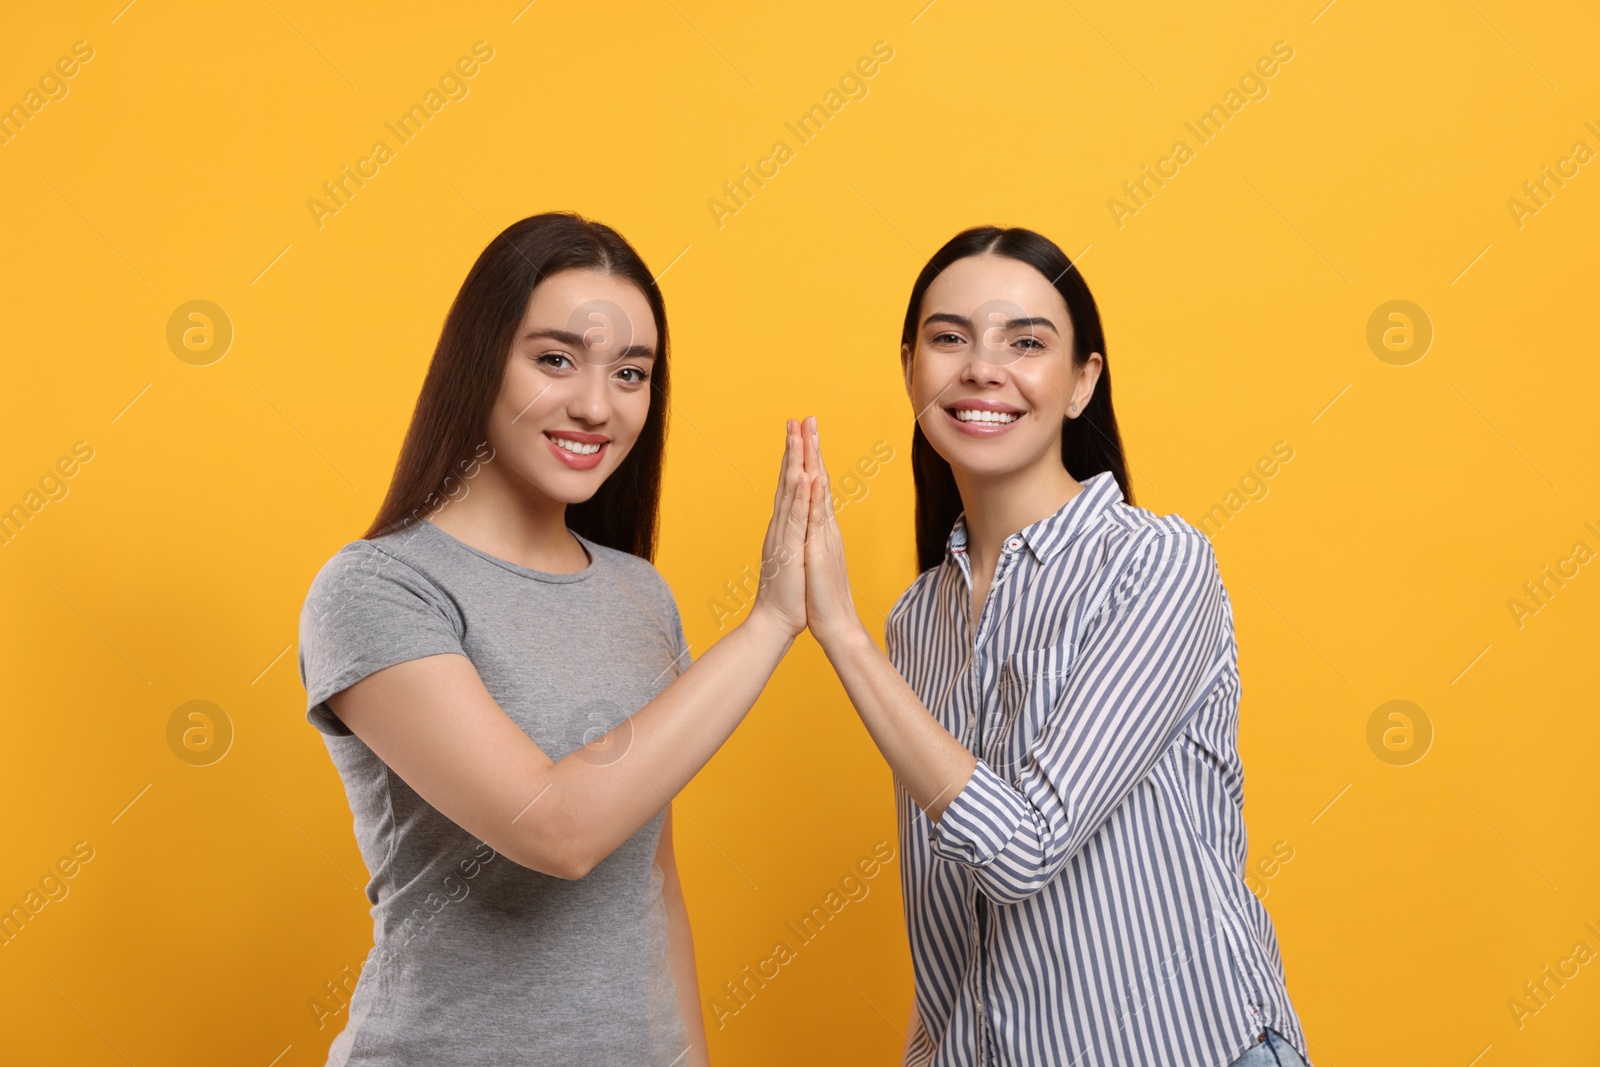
x=517, y=568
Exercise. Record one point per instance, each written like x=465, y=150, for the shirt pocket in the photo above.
x=1031, y=684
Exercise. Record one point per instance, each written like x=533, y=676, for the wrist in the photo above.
x=769, y=630
x=842, y=638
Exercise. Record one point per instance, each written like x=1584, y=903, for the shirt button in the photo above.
x=1013, y=544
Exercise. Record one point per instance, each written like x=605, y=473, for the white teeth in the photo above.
x=576, y=446
x=979, y=415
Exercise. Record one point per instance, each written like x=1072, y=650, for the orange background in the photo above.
x=1427, y=483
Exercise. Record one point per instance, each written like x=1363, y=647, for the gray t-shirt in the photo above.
x=477, y=960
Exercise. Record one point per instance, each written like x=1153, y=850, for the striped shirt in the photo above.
x=1081, y=902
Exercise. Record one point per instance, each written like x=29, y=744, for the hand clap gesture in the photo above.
x=803, y=579
x=781, y=592
x=830, y=611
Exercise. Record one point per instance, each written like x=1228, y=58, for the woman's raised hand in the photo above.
x=830, y=611
x=781, y=592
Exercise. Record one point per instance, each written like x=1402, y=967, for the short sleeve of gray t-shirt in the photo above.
x=476, y=959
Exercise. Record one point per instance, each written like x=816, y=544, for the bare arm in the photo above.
x=681, y=942
x=435, y=724
x=1143, y=667
x=926, y=757
x=933, y=765
x=911, y=1028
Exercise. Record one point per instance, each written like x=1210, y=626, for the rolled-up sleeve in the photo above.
x=1145, y=663
x=367, y=610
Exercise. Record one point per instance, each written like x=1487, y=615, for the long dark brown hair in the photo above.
x=450, y=420
x=1090, y=443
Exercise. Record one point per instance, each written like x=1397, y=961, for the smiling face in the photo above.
x=992, y=374
x=576, y=391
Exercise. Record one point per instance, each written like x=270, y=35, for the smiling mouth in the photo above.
x=577, y=450
x=975, y=421
x=982, y=417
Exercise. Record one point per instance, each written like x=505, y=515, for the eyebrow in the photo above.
x=567, y=337
x=962, y=320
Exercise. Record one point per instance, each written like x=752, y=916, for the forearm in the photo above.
x=931, y=763
x=598, y=796
x=681, y=949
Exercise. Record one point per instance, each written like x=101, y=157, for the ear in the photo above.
x=1087, y=379
x=906, y=357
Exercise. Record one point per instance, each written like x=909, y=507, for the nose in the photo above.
x=980, y=370
x=591, y=400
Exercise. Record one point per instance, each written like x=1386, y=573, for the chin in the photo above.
x=985, y=466
x=575, y=487
x=983, y=458
x=569, y=485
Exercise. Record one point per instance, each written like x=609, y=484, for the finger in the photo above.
x=814, y=454
x=808, y=437
x=820, y=509
x=800, y=505
x=793, y=486
x=804, y=529
x=783, y=468
x=805, y=457
x=815, y=519
x=768, y=542
x=793, y=467
x=822, y=475
x=791, y=446
x=797, y=533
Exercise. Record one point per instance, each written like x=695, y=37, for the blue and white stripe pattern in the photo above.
x=1081, y=902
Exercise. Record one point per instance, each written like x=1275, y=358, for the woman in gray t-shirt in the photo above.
x=502, y=680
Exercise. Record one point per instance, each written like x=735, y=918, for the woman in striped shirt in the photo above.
x=1059, y=704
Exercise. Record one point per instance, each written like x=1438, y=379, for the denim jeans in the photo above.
x=1273, y=1051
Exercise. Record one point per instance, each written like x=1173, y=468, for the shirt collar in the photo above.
x=1054, y=532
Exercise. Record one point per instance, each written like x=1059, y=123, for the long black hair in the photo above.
x=1090, y=443
x=450, y=420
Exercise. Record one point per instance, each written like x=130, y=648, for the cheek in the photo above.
x=629, y=413
x=1047, y=392
x=632, y=408
x=926, y=389
x=528, y=397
